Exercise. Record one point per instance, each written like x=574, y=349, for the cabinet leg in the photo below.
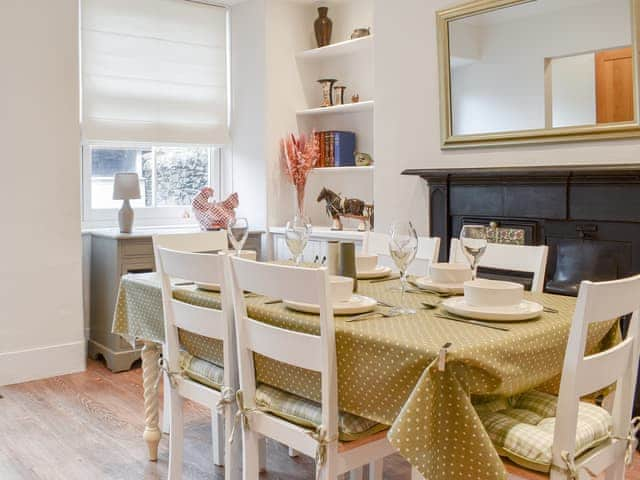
x=150, y=375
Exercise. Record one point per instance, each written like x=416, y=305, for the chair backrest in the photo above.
x=208, y=322
x=312, y=352
x=428, y=251
x=517, y=258
x=191, y=242
x=599, y=302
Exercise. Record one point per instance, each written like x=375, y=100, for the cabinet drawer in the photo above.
x=136, y=248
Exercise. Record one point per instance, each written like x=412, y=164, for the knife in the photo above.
x=471, y=322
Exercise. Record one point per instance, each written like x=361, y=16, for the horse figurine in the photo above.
x=338, y=206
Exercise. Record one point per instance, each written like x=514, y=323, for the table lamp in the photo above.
x=126, y=186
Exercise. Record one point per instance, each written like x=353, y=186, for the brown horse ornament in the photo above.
x=341, y=207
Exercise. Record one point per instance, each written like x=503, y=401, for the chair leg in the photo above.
x=615, y=471
x=262, y=456
x=232, y=451
x=375, y=470
x=356, y=474
x=176, y=439
x=415, y=474
x=329, y=471
x=250, y=455
x=218, y=440
x=166, y=404
x=166, y=399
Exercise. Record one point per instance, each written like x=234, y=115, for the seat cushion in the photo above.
x=201, y=371
x=523, y=431
x=308, y=414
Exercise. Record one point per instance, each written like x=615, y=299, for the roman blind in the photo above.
x=154, y=71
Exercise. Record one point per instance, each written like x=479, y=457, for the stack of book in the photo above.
x=337, y=149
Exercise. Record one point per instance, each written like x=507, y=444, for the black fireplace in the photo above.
x=588, y=216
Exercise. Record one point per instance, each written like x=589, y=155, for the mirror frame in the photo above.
x=543, y=135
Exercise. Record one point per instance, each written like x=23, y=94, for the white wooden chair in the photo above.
x=428, y=251
x=316, y=353
x=598, y=302
x=208, y=322
x=518, y=258
x=193, y=242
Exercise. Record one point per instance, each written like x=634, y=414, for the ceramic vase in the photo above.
x=323, y=26
x=327, y=91
x=338, y=98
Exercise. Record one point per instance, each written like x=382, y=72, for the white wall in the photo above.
x=249, y=116
x=407, y=125
x=573, y=90
x=505, y=89
x=41, y=327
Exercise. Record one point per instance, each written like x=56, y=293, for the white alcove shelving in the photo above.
x=351, y=63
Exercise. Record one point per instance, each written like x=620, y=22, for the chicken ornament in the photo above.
x=210, y=214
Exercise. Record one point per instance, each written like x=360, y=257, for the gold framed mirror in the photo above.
x=538, y=71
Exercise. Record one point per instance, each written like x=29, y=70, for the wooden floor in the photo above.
x=88, y=426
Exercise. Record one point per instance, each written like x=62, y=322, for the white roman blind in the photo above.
x=154, y=71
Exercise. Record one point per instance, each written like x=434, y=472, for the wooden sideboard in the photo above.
x=112, y=254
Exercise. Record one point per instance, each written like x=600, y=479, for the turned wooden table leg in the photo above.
x=150, y=375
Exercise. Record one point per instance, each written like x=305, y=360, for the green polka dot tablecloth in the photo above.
x=383, y=366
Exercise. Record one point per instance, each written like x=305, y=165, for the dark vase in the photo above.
x=323, y=26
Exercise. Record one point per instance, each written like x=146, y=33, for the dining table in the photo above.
x=388, y=366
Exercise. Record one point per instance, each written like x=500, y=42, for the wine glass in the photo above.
x=237, y=231
x=403, y=246
x=296, y=234
x=473, y=240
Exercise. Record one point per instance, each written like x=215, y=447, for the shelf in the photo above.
x=346, y=108
x=325, y=233
x=343, y=169
x=338, y=49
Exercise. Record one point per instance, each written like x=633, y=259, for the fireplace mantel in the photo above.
x=507, y=173
x=595, y=207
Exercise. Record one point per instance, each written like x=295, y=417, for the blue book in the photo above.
x=344, y=147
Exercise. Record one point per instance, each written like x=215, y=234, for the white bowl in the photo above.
x=246, y=254
x=449, y=272
x=341, y=288
x=366, y=263
x=492, y=293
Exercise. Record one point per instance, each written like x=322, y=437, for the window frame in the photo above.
x=148, y=216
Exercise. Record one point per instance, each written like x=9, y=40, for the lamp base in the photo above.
x=125, y=217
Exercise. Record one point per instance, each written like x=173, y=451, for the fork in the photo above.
x=368, y=315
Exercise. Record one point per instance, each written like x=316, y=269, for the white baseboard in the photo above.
x=44, y=362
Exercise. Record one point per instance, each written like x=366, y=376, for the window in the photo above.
x=154, y=101
x=170, y=177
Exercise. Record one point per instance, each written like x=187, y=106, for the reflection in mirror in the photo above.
x=542, y=64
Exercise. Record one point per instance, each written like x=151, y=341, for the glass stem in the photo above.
x=474, y=269
x=403, y=285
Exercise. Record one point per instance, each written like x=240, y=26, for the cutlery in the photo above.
x=430, y=292
x=368, y=315
x=386, y=279
x=471, y=322
x=430, y=305
x=385, y=304
x=183, y=284
x=550, y=310
x=271, y=302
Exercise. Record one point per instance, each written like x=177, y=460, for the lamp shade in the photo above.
x=126, y=186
